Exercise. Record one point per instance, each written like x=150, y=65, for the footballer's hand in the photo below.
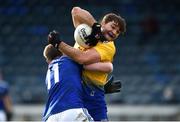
x=95, y=36
x=112, y=86
x=54, y=38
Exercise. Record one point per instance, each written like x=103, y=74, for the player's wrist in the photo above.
x=96, y=30
x=96, y=26
x=58, y=44
x=54, y=39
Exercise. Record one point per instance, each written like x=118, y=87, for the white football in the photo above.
x=82, y=31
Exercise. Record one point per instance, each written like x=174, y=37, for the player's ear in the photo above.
x=102, y=22
x=48, y=61
x=44, y=53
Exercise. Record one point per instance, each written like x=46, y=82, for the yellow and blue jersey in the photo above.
x=94, y=99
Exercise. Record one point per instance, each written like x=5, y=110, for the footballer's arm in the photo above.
x=106, y=67
x=82, y=57
x=80, y=16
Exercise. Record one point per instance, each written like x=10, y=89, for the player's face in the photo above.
x=110, y=30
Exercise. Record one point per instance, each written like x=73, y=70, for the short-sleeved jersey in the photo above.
x=106, y=51
x=4, y=90
x=63, y=81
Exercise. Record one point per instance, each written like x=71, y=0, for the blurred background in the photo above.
x=147, y=59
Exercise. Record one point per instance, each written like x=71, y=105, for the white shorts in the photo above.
x=2, y=116
x=78, y=114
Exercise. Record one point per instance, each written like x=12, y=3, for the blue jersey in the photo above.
x=4, y=89
x=64, y=86
x=94, y=101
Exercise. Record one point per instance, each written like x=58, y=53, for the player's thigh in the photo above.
x=71, y=115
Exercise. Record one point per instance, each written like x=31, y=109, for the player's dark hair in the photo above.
x=51, y=53
x=117, y=19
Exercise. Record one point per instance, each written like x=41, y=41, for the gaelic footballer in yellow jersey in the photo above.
x=107, y=51
x=111, y=26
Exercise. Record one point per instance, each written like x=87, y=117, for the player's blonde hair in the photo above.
x=51, y=53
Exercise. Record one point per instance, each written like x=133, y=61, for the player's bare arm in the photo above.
x=82, y=57
x=80, y=16
x=106, y=67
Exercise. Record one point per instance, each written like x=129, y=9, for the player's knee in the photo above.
x=75, y=10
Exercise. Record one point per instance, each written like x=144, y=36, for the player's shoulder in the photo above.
x=4, y=84
x=4, y=88
x=106, y=46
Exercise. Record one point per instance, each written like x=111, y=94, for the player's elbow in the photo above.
x=82, y=60
x=75, y=10
x=109, y=68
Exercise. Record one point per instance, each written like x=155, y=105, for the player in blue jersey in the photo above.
x=5, y=101
x=64, y=88
x=65, y=93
